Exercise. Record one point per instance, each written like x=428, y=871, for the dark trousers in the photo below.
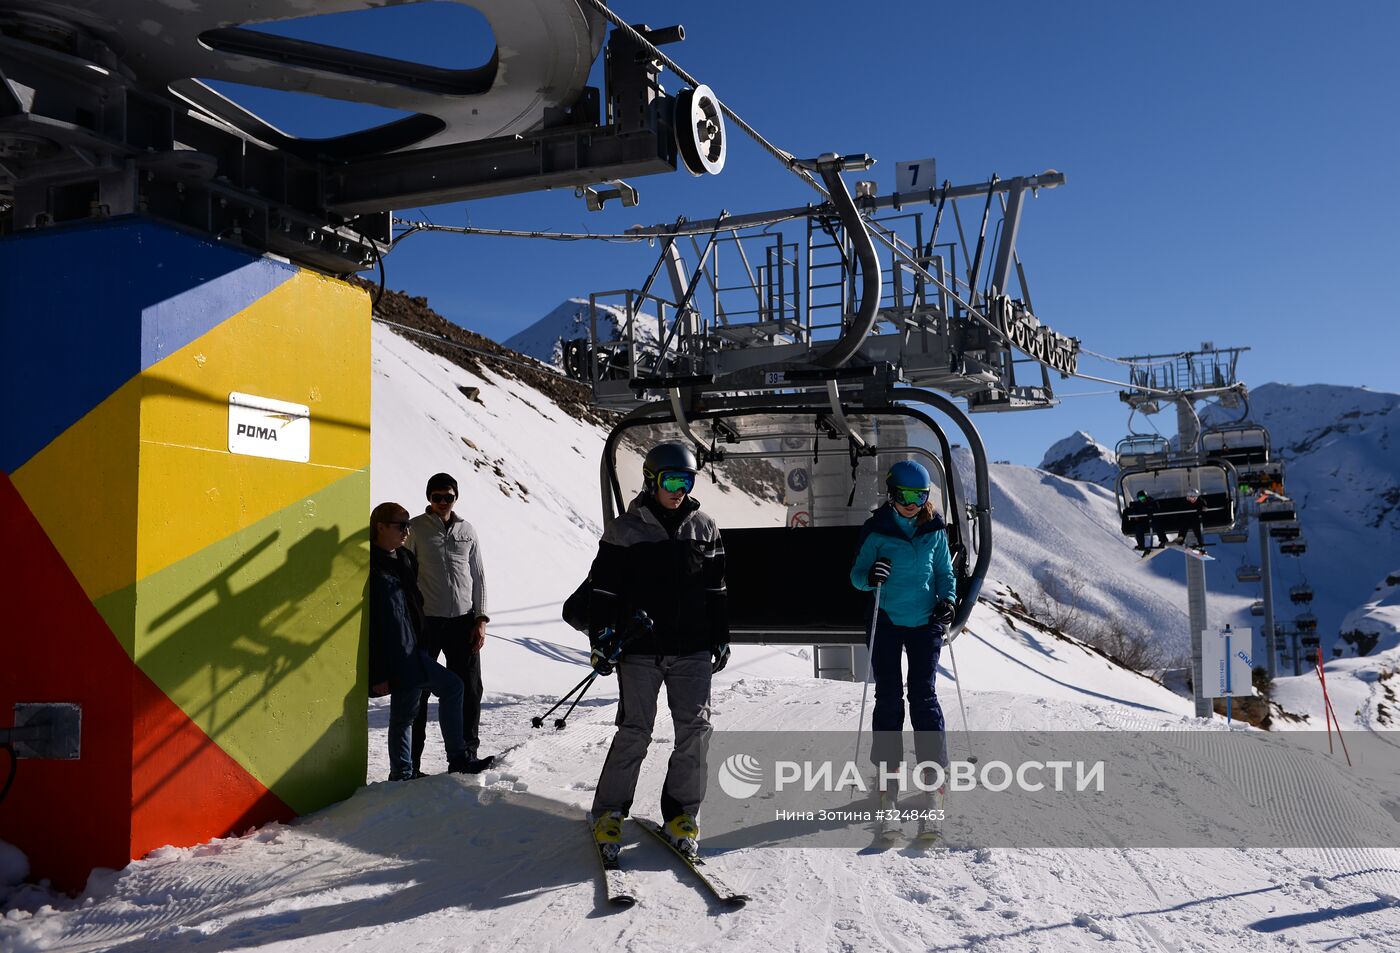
x=922, y=645
x=455, y=639
x=1153, y=529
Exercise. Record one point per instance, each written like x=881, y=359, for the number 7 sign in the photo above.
x=914, y=174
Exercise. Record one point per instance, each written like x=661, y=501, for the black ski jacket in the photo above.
x=668, y=564
x=395, y=620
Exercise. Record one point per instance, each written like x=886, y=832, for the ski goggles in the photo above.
x=909, y=496
x=676, y=481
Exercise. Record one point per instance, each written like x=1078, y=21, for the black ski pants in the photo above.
x=455, y=639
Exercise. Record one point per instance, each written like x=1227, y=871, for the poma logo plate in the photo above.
x=264, y=427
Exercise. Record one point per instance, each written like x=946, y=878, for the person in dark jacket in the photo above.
x=1195, y=519
x=662, y=561
x=398, y=665
x=1148, y=532
x=904, y=550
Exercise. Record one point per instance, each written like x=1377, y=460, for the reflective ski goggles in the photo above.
x=676, y=481
x=909, y=496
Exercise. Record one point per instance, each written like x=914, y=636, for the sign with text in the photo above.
x=263, y=427
x=1226, y=664
x=914, y=174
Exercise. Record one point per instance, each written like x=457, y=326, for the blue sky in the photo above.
x=1228, y=168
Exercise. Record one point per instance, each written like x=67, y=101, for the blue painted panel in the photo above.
x=85, y=308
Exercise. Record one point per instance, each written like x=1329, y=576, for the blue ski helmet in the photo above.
x=908, y=473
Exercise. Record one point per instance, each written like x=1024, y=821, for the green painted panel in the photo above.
x=260, y=639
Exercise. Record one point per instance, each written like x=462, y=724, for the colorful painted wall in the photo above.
x=204, y=607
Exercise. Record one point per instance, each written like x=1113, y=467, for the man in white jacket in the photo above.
x=452, y=580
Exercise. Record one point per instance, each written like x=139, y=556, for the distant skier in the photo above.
x=1148, y=531
x=662, y=557
x=904, y=549
x=398, y=666
x=1195, y=519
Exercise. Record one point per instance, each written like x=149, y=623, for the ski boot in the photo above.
x=887, y=826
x=683, y=834
x=607, y=834
x=931, y=817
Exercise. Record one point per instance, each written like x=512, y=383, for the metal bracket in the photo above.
x=46, y=730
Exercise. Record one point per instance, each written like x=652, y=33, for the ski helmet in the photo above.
x=1191, y=491
x=667, y=457
x=908, y=473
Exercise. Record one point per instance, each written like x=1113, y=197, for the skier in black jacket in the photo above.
x=664, y=558
x=398, y=665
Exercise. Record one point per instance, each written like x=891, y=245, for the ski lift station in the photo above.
x=213, y=418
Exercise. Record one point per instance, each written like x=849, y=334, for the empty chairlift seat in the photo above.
x=793, y=586
x=1307, y=622
x=1248, y=572
x=1277, y=510
x=1140, y=450
x=1294, y=547
x=1282, y=531
x=1241, y=445
x=1301, y=593
x=1256, y=607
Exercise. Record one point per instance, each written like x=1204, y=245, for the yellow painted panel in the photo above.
x=82, y=489
x=259, y=639
x=306, y=342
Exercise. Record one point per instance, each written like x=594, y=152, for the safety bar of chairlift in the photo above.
x=660, y=412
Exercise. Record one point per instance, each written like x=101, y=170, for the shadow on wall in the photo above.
x=252, y=656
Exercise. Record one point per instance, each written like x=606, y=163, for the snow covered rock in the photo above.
x=1080, y=457
x=1373, y=627
x=570, y=321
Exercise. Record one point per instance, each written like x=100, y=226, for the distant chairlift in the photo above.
x=1307, y=622
x=1277, y=510
x=1239, y=533
x=1256, y=607
x=1166, y=485
x=1294, y=547
x=1248, y=572
x=1246, y=447
x=1284, y=531
x=1301, y=593
x=1142, y=450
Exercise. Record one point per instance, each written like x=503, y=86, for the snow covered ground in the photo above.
x=499, y=862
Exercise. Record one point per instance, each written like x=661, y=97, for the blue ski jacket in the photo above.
x=921, y=568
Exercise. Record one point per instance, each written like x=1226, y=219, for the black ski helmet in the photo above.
x=664, y=457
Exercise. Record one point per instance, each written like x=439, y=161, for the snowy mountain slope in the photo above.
x=1081, y=457
x=1342, y=449
x=498, y=863
x=570, y=321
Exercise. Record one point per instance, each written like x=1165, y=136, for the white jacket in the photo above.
x=450, y=572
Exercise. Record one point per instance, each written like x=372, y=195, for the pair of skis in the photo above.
x=621, y=884
x=1191, y=551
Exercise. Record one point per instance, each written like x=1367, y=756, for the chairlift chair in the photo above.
x=1237, y=534
x=1248, y=572
x=1289, y=530
x=1307, y=622
x=832, y=462
x=1301, y=593
x=1277, y=510
x=1243, y=445
x=1141, y=450
x=1294, y=547
x=1256, y=608
x=1167, y=484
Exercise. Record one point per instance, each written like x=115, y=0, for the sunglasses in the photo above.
x=676, y=481
x=909, y=496
x=401, y=524
x=442, y=497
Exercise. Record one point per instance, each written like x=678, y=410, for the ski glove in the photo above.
x=719, y=657
x=606, y=648
x=879, y=571
x=943, y=612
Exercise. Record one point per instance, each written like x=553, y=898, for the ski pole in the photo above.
x=580, y=688
x=957, y=680
x=869, y=666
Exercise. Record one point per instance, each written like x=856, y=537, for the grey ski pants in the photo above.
x=639, y=681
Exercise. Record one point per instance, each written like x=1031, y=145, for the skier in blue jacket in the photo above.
x=904, y=549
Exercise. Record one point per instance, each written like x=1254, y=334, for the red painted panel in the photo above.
x=68, y=816
x=184, y=788
x=148, y=776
